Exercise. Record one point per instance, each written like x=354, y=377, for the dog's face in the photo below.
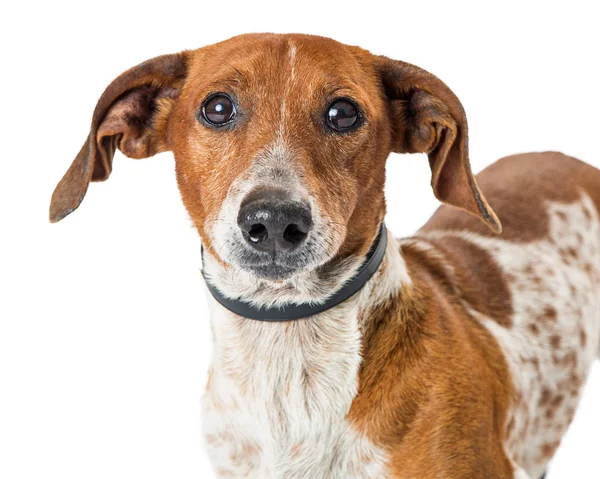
x=281, y=160
x=280, y=144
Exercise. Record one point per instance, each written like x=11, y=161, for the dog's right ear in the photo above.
x=132, y=115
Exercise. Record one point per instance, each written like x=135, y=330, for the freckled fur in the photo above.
x=550, y=387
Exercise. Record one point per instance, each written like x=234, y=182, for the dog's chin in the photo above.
x=273, y=272
x=277, y=266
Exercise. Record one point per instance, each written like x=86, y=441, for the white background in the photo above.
x=104, y=336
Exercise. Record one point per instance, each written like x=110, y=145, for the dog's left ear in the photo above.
x=428, y=118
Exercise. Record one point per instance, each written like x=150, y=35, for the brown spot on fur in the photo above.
x=534, y=328
x=548, y=449
x=529, y=271
x=545, y=397
x=570, y=359
x=557, y=401
x=555, y=341
x=245, y=454
x=582, y=337
x=549, y=313
x=575, y=381
x=474, y=275
x=568, y=254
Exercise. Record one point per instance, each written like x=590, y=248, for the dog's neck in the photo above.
x=311, y=287
x=275, y=385
x=291, y=310
x=385, y=282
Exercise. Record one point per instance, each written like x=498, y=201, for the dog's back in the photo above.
x=535, y=287
x=519, y=187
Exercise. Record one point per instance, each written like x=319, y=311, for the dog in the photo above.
x=339, y=351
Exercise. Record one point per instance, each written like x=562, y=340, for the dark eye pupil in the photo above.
x=218, y=109
x=342, y=115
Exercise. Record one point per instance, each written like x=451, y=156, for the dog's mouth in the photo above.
x=277, y=235
x=275, y=266
x=273, y=271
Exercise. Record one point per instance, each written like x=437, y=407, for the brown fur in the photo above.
x=533, y=179
x=421, y=389
x=434, y=388
x=469, y=272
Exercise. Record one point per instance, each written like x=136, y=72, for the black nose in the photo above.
x=270, y=221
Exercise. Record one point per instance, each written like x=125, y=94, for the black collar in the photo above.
x=299, y=311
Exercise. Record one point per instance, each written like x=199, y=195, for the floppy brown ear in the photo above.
x=131, y=115
x=428, y=118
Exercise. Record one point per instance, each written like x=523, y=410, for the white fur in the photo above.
x=281, y=134
x=279, y=393
x=521, y=474
x=539, y=367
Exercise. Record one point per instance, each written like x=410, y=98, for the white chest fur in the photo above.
x=278, y=393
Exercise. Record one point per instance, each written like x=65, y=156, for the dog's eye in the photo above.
x=218, y=109
x=343, y=115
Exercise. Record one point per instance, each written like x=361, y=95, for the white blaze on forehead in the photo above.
x=292, y=55
x=289, y=82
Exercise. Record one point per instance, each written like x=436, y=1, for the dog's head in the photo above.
x=280, y=143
